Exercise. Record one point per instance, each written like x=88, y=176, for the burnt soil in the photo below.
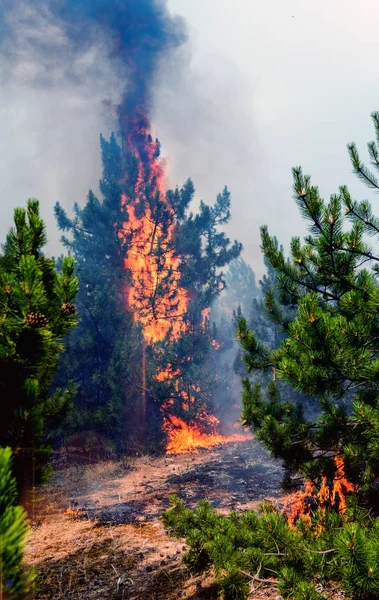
x=111, y=542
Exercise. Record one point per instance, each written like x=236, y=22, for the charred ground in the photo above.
x=112, y=544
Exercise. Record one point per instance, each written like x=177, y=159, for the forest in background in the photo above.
x=306, y=353
x=146, y=334
x=77, y=368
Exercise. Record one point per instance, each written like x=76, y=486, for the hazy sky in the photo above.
x=262, y=87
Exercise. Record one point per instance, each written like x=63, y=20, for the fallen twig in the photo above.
x=259, y=579
x=319, y=551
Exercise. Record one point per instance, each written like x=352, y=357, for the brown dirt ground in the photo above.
x=113, y=544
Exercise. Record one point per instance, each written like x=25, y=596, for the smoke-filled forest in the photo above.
x=174, y=425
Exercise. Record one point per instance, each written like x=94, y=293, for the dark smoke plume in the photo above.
x=134, y=34
x=140, y=33
x=70, y=69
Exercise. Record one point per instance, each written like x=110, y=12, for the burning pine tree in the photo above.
x=149, y=268
x=165, y=293
x=163, y=266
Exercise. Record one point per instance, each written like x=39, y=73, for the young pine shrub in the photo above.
x=15, y=582
x=358, y=555
x=243, y=548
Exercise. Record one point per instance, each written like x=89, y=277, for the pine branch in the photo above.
x=361, y=171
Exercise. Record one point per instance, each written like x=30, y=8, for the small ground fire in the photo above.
x=305, y=502
x=184, y=438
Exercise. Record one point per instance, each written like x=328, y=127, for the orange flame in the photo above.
x=151, y=260
x=341, y=486
x=297, y=504
x=184, y=438
x=74, y=513
x=205, y=316
x=216, y=345
x=303, y=503
x=154, y=292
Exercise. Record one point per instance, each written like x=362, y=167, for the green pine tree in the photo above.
x=326, y=303
x=266, y=328
x=330, y=346
x=15, y=581
x=260, y=548
x=235, y=298
x=240, y=288
x=36, y=313
x=103, y=355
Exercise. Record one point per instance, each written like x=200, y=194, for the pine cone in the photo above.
x=68, y=309
x=36, y=320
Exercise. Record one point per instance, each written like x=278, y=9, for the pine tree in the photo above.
x=240, y=288
x=103, y=355
x=118, y=306
x=15, y=581
x=255, y=548
x=235, y=299
x=258, y=316
x=36, y=313
x=330, y=347
x=267, y=329
x=326, y=298
x=205, y=250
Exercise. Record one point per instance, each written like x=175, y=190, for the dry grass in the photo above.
x=77, y=557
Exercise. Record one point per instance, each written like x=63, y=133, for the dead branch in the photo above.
x=255, y=578
x=319, y=551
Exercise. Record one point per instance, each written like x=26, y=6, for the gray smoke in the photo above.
x=59, y=93
x=54, y=103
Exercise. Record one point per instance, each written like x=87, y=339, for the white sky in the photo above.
x=267, y=86
x=304, y=73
